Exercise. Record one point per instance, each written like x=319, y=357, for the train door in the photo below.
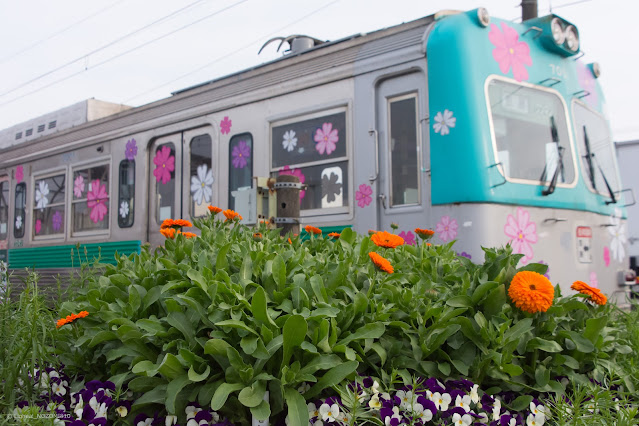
x=182, y=179
x=403, y=190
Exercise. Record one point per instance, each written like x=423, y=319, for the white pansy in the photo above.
x=304, y=387
x=463, y=402
x=201, y=185
x=41, y=195
x=191, y=411
x=535, y=420
x=464, y=420
x=441, y=401
x=474, y=395
x=420, y=413
x=124, y=209
x=290, y=141
x=170, y=420
x=122, y=411
x=375, y=387
x=58, y=389
x=329, y=412
x=444, y=122
x=374, y=403
x=313, y=411
x=483, y=418
x=387, y=420
x=406, y=399
x=496, y=409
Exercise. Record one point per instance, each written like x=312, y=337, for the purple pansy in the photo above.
x=241, y=154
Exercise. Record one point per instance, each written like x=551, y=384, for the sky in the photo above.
x=57, y=53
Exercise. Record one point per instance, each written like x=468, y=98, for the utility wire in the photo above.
x=228, y=55
x=125, y=52
x=49, y=37
x=100, y=48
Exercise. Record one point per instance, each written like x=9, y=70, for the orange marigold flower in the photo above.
x=188, y=234
x=167, y=223
x=289, y=241
x=257, y=236
x=313, y=230
x=168, y=232
x=214, y=210
x=334, y=234
x=231, y=214
x=594, y=293
x=381, y=262
x=424, y=233
x=70, y=318
x=531, y=292
x=386, y=239
x=182, y=222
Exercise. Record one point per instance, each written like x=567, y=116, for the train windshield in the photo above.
x=531, y=138
x=597, y=153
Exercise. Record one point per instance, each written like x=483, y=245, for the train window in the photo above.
x=201, y=175
x=90, y=202
x=596, y=149
x=313, y=148
x=240, y=164
x=404, y=150
x=126, y=193
x=48, y=206
x=19, y=211
x=4, y=210
x=165, y=181
x=530, y=133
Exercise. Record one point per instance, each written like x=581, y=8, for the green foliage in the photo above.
x=225, y=318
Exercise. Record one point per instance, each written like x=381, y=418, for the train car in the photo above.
x=487, y=131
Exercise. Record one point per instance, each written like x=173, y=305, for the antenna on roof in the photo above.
x=297, y=43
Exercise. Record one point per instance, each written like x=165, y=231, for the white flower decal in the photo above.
x=290, y=141
x=19, y=222
x=201, y=185
x=444, y=122
x=617, y=231
x=124, y=209
x=41, y=195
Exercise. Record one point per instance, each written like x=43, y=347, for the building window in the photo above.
x=18, y=135
x=314, y=148
x=240, y=164
x=126, y=193
x=201, y=175
x=4, y=210
x=90, y=202
x=29, y=132
x=41, y=128
x=52, y=124
x=404, y=150
x=19, y=212
x=48, y=206
x=164, y=174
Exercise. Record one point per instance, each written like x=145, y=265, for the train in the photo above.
x=488, y=131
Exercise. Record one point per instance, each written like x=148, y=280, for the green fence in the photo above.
x=60, y=256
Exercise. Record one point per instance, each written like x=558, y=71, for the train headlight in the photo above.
x=483, y=17
x=595, y=68
x=572, y=39
x=557, y=30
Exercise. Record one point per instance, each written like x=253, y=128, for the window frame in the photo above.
x=5, y=180
x=186, y=184
x=120, y=199
x=230, y=165
x=15, y=206
x=70, y=201
x=33, y=207
x=603, y=191
x=389, y=100
x=347, y=157
x=569, y=131
x=178, y=145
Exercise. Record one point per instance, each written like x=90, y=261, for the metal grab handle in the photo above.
x=375, y=134
x=503, y=174
x=634, y=200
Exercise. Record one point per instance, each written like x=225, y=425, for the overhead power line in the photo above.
x=234, y=52
x=57, y=33
x=125, y=52
x=111, y=43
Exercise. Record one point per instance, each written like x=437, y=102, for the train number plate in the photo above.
x=584, y=244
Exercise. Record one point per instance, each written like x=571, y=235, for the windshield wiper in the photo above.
x=560, y=162
x=590, y=157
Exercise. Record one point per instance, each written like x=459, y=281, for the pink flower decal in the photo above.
x=363, y=195
x=606, y=256
x=96, y=201
x=522, y=233
x=446, y=229
x=164, y=165
x=326, y=138
x=587, y=82
x=78, y=186
x=19, y=174
x=409, y=237
x=241, y=153
x=38, y=226
x=594, y=282
x=509, y=51
x=286, y=170
x=225, y=126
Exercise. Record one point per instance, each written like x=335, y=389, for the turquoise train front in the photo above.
x=521, y=149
